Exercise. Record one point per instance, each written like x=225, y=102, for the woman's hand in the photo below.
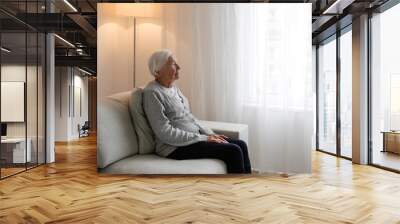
x=217, y=138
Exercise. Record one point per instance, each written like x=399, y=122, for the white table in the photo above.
x=19, y=153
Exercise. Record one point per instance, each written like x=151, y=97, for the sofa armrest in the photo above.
x=232, y=130
x=116, y=137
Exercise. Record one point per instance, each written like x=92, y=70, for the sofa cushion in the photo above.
x=143, y=130
x=154, y=164
x=116, y=136
x=122, y=97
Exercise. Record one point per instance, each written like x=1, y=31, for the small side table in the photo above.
x=391, y=141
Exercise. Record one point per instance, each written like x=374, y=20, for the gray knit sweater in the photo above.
x=170, y=118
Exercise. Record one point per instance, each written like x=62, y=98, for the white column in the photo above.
x=50, y=99
x=360, y=90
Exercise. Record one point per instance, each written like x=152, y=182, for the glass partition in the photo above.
x=22, y=78
x=41, y=85
x=327, y=96
x=346, y=93
x=14, y=153
x=32, y=95
x=385, y=89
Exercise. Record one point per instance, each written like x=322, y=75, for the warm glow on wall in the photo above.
x=133, y=10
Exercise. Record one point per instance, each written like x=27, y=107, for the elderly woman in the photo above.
x=178, y=133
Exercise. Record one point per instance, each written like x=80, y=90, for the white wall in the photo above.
x=116, y=36
x=62, y=81
x=34, y=125
x=67, y=116
x=114, y=52
x=17, y=73
x=147, y=38
x=80, y=84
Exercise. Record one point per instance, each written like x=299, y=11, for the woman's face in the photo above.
x=170, y=71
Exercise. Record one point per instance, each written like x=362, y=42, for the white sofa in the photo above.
x=117, y=145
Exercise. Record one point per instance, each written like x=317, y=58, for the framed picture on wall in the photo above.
x=12, y=101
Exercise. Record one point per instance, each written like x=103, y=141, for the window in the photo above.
x=395, y=102
x=346, y=93
x=276, y=56
x=385, y=88
x=327, y=96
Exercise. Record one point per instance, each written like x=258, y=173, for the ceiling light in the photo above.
x=5, y=50
x=84, y=71
x=70, y=5
x=338, y=6
x=64, y=40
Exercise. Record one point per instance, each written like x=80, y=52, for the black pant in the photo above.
x=234, y=154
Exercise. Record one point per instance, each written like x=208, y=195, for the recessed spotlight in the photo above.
x=84, y=71
x=64, y=40
x=70, y=5
x=337, y=7
x=5, y=50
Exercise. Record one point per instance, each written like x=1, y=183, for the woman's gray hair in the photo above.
x=158, y=59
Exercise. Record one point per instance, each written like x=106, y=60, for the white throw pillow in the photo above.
x=143, y=130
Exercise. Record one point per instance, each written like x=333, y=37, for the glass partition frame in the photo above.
x=30, y=56
x=335, y=150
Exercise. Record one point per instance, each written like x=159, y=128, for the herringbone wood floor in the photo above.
x=71, y=191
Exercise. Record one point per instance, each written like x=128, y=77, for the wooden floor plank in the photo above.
x=71, y=191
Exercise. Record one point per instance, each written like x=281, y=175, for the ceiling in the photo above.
x=76, y=22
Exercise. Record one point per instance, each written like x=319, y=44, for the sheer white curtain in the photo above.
x=249, y=63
